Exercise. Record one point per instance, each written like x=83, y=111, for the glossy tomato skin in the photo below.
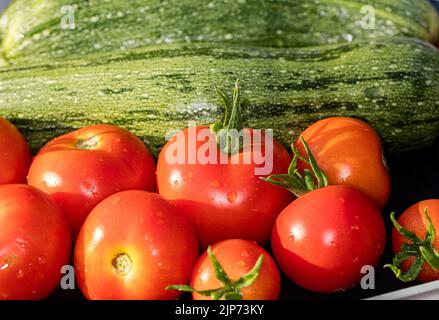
x=349, y=152
x=238, y=257
x=79, y=177
x=35, y=243
x=159, y=241
x=15, y=154
x=223, y=201
x=414, y=220
x=323, y=239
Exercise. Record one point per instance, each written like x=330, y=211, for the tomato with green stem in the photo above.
x=416, y=243
x=214, y=178
x=234, y=270
x=322, y=240
x=83, y=167
x=132, y=246
x=15, y=154
x=350, y=152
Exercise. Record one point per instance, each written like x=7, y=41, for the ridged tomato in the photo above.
x=349, y=152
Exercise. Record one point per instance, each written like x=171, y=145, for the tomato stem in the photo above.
x=298, y=183
x=231, y=290
x=228, y=134
x=87, y=144
x=122, y=263
x=422, y=250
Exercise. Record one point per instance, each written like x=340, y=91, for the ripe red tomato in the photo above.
x=323, y=239
x=35, y=243
x=82, y=168
x=349, y=152
x=15, y=154
x=415, y=220
x=132, y=246
x=223, y=200
x=238, y=257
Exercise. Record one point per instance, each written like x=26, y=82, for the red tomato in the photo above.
x=15, y=154
x=132, y=246
x=323, y=239
x=237, y=257
x=415, y=220
x=82, y=168
x=349, y=152
x=34, y=243
x=223, y=200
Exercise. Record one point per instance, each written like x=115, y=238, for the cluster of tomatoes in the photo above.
x=137, y=229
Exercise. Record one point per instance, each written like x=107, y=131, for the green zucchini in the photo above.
x=32, y=29
x=392, y=84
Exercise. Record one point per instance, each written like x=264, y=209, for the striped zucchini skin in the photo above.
x=31, y=29
x=393, y=84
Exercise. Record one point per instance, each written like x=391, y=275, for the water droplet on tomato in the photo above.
x=160, y=264
x=332, y=244
x=20, y=274
x=244, y=254
x=291, y=238
x=355, y=227
x=90, y=188
x=20, y=243
x=355, y=260
x=241, y=263
x=115, y=200
x=215, y=184
x=159, y=214
x=232, y=196
x=41, y=260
